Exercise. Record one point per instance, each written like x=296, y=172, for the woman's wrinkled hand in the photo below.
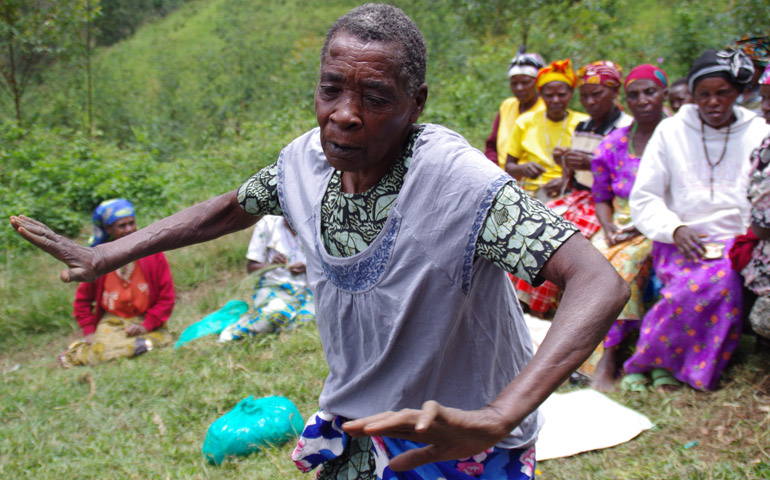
x=297, y=268
x=279, y=259
x=554, y=187
x=81, y=261
x=449, y=433
x=135, y=329
x=689, y=243
x=532, y=169
x=576, y=160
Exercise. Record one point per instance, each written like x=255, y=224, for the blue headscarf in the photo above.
x=107, y=213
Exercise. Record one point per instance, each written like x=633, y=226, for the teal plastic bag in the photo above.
x=252, y=424
x=215, y=322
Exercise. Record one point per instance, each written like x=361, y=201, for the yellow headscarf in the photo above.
x=557, y=71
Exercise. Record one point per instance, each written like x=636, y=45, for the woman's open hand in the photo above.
x=81, y=261
x=449, y=433
x=689, y=243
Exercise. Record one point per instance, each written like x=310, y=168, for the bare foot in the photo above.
x=604, y=376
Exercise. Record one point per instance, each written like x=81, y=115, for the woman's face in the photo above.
x=523, y=88
x=715, y=98
x=678, y=96
x=598, y=100
x=121, y=228
x=556, y=96
x=645, y=100
x=764, y=92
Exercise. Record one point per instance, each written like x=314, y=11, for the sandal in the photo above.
x=664, y=381
x=634, y=382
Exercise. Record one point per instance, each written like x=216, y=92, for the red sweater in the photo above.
x=87, y=307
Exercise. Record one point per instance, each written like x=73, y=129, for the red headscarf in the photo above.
x=647, y=72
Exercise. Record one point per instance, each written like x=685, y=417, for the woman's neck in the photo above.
x=556, y=116
x=524, y=106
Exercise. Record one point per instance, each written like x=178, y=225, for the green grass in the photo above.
x=147, y=417
x=204, y=98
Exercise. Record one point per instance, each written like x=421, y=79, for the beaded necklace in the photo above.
x=708, y=159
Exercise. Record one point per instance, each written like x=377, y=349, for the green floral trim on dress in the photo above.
x=259, y=194
x=519, y=233
x=351, y=221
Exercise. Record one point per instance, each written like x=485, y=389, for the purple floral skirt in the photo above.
x=694, y=328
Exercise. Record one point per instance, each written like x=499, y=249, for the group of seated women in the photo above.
x=658, y=195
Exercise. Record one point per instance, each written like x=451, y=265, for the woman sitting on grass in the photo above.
x=282, y=298
x=121, y=313
x=536, y=139
x=614, y=168
x=690, y=199
x=522, y=75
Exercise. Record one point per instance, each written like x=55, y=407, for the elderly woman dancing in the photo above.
x=522, y=75
x=690, y=199
x=431, y=368
x=614, y=168
x=123, y=312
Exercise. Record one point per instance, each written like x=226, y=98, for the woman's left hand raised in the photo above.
x=449, y=433
x=81, y=261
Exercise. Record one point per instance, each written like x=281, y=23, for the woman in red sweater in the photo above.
x=123, y=312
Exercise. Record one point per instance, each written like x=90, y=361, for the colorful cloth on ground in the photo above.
x=757, y=273
x=646, y=71
x=107, y=213
x=111, y=342
x=503, y=127
x=278, y=305
x=557, y=71
x=323, y=442
x=693, y=330
x=602, y=72
x=534, y=138
x=87, y=307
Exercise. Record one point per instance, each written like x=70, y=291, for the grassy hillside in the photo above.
x=188, y=108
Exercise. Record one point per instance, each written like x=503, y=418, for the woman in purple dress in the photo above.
x=689, y=198
x=614, y=167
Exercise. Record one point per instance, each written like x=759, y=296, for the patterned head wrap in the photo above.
x=765, y=78
x=756, y=48
x=736, y=67
x=557, y=71
x=107, y=213
x=647, y=72
x=603, y=72
x=525, y=64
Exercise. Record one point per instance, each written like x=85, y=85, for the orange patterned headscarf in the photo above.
x=557, y=71
x=603, y=72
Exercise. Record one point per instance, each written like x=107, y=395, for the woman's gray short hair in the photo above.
x=386, y=23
